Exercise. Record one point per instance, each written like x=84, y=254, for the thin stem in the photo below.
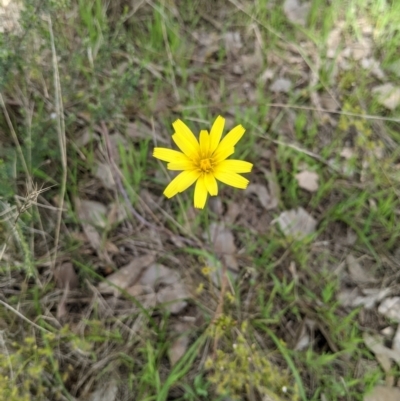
x=61, y=138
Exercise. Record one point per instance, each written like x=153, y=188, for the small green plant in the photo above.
x=24, y=367
x=245, y=369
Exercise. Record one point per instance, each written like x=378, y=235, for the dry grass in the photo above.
x=91, y=90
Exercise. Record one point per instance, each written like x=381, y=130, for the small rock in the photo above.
x=281, y=85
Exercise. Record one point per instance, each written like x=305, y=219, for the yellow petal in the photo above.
x=181, y=165
x=211, y=184
x=216, y=133
x=232, y=137
x=235, y=166
x=200, y=193
x=232, y=179
x=185, y=135
x=181, y=182
x=222, y=153
x=185, y=145
x=168, y=155
x=204, y=143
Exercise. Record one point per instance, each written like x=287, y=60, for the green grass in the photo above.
x=119, y=65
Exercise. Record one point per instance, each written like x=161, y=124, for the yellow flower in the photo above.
x=204, y=161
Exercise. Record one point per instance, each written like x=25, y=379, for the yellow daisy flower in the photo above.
x=204, y=161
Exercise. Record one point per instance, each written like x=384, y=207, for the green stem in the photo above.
x=207, y=224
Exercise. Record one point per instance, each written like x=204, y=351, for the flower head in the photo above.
x=204, y=161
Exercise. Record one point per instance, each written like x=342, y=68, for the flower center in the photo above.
x=205, y=165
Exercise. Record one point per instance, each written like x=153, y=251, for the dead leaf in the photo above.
x=390, y=308
x=233, y=212
x=308, y=180
x=387, y=332
x=296, y=223
x=362, y=49
x=93, y=236
x=224, y=244
x=173, y=297
x=373, y=66
x=85, y=137
x=333, y=42
x=210, y=43
x=388, y=95
x=149, y=199
x=158, y=274
x=10, y=12
x=138, y=131
x=116, y=213
x=106, y=392
x=347, y=153
x=215, y=204
x=328, y=102
x=126, y=276
x=266, y=76
x=66, y=279
x=252, y=62
x=165, y=284
x=117, y=140
x=303, y=338
x=178, y=349
x=383, y=355
x=367, y=297
x=233, y=42
x=91, y=215
x=395, y=68
x=396, y=340
x=104, y=173
x=357, y=272
x=65, y=276
x=383, y=393
x=266, y=198
x=180, y=343
x=296, y=12
x=281, y=85
x=91, y=212
x=110, y=247
x=376, y=345
x=237, y=69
